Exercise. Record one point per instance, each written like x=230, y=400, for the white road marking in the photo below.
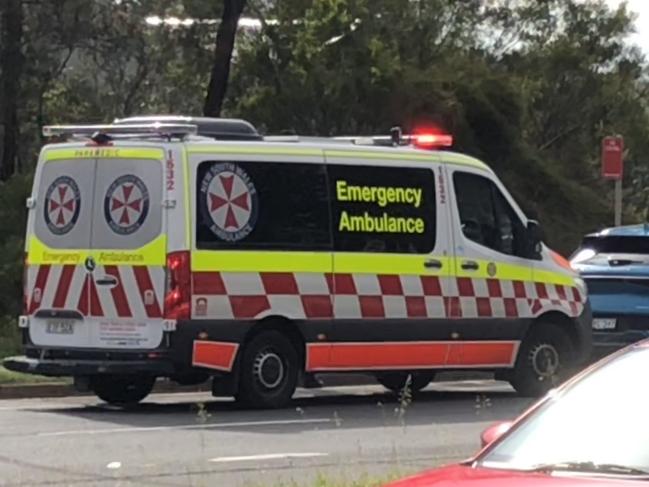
x=267, y=456
x=146, y=429
x=114, y=465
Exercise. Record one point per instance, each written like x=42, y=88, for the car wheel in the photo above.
x=396, y=381
x=544, y=360
x=269, y=371
x=122, y=390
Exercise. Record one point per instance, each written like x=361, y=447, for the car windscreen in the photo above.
x=616, y=244
x=600, y=419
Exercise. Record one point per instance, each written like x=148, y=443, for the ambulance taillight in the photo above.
x=178, y=286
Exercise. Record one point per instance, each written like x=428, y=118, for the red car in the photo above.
x=592, y=431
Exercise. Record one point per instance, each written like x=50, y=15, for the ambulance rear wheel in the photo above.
x=269, y=371
x=122, y=390
x=396, y=381
x=544, y=360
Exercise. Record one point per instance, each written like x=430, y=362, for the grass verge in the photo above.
x=365, y=480
x=9, y=377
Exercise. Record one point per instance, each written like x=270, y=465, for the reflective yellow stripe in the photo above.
x=463, y=160
x=188, y=220
x=253, y=261
x=336, y=153
x=550, y=277
x=396, y=155
x=406, y=264
x=273, y=261
x=154, y=253
x=511, y=272
x=102, y=152
x=252, y=149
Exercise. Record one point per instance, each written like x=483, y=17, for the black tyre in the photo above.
x=122, y=390
x=396, y=381
x=269, y=371
x=544, y=360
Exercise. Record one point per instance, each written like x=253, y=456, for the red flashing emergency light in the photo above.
x=431, y=140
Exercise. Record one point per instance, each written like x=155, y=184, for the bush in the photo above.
x=10, y=340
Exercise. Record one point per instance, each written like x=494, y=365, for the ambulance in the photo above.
x=196, y=249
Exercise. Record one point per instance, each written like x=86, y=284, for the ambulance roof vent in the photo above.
x=215, y=128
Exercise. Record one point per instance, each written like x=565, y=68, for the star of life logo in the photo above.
x=62, y=205
x=126, y=204
x=230, y=201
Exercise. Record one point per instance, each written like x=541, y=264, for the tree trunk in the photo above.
x=11, y=59
x=225, y=36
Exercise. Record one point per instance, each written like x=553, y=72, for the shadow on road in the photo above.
x=324, y=409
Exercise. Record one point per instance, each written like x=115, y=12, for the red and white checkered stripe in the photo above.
x=138, y=292
x=232, y=295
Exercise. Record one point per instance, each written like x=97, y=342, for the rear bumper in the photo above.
x=74, y=367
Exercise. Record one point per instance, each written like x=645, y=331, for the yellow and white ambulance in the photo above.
x=192, y=248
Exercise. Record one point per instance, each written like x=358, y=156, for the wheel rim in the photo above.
x=545, y=360
x=268, y=369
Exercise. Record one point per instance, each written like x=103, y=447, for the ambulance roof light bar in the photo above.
x=422, y=140
x=103, y=132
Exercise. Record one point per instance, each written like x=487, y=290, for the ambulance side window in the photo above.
x=382, y=209
x=486, y=217
x=262, y=205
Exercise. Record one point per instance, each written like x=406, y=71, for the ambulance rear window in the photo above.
x=262, y=205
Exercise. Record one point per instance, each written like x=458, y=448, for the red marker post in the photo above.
x=613, y=169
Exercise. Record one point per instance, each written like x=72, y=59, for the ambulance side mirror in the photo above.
x=534, y=239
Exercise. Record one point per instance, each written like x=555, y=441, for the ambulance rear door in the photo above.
x=58, y=237
x=126, y=265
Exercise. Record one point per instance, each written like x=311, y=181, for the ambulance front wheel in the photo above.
x=544, y=360
x=122, y=390
x=269, y=371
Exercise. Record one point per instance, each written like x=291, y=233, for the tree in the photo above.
x=11, y=60
x=224, y=46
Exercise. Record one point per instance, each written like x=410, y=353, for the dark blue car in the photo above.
x=615, y=265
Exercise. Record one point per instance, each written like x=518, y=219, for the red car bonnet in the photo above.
x=463, y=476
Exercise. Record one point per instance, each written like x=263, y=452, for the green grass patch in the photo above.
x=10, y=339
x=322, y=480
x=10, y=377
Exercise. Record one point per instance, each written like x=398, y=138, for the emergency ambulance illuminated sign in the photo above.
x=231, y=200
x=612, y=157
x=62, y=205
x=383, y=197
x=126, y=204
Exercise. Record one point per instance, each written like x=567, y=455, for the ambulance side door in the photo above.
x=391, y=263
x=492, y=277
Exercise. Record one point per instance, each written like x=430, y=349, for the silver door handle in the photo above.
x=433, y=264
x=470, y=265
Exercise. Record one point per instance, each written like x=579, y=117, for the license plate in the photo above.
x=60, y=327
x=604, y=323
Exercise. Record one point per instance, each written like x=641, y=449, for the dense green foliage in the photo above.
x=530, y=87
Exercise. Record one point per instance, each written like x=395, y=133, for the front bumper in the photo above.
x=81, y=367
x=584, y=330
x=607, y=342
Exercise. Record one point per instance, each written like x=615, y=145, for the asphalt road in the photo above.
x=195, y=440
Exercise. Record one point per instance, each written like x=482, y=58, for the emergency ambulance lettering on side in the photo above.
x=230, y=201
x=126, y=204
x=62, y=205
x=381, y=196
